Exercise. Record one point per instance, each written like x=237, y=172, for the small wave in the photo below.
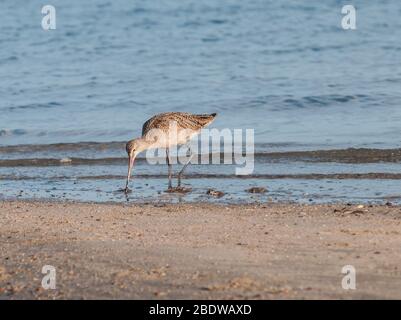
x=45, y=162
x=217, y=21
x=322, y=100
x=289, y=102
x=104, y=5
x=10, y=59
x=311, y=176
x=33, y=106
x=58, y=147
x=351, y=156
x=7, y=132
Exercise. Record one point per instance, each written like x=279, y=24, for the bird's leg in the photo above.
x=185, y=165
x=170, y=186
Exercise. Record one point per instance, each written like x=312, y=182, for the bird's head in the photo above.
x=132, y=147
x=135, y=146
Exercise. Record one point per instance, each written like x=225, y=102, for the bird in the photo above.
x=165, y=130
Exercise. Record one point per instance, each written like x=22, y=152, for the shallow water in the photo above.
x=235, y=191
x=349, y=175
x=283, y=68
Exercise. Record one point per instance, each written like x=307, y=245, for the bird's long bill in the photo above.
x=131, y=160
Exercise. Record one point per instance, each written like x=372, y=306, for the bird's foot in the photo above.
x=127, y=190
x=179, y=181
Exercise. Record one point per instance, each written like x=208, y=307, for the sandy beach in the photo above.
x=199, y=251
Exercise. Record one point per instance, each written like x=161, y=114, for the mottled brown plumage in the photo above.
x=156, y=133
x=184, y=120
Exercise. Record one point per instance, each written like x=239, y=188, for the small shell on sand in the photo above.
x=215, y=193
x=257, y=190
x=179, y=190
x=65, y=160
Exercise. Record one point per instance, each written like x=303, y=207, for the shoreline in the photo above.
x=198, y=250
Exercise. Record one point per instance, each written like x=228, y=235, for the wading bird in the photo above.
x=165, y=130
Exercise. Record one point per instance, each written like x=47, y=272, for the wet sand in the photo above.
x=204, y=251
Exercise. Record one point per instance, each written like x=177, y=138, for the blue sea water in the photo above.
x=283, y=68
